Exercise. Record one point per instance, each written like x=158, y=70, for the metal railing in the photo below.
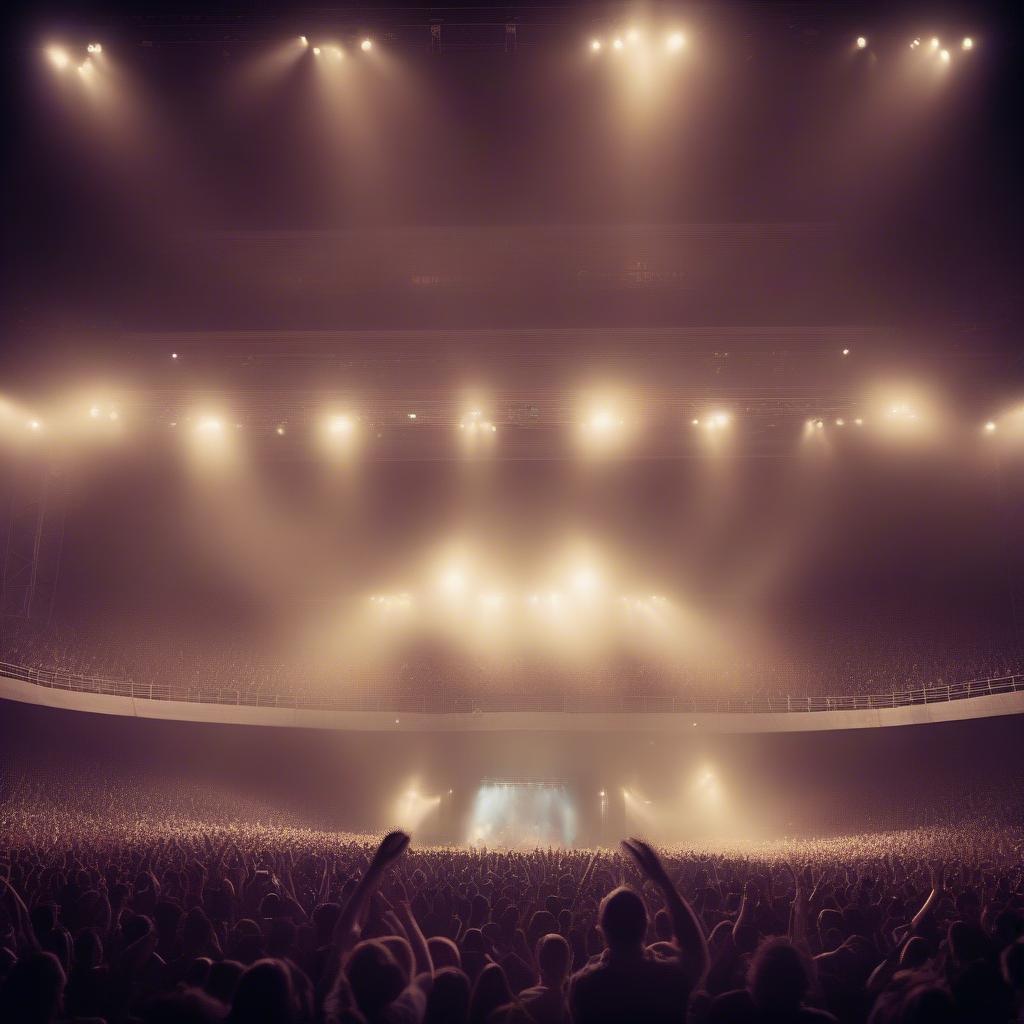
x=442, y=703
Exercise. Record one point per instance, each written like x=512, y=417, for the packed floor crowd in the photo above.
x=851, y=666
x=157, y=909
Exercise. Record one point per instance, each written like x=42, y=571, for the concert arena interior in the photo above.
x=512, y=514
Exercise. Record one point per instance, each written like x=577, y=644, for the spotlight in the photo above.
x=934, y=44
x=675, y=42
x=603, y=422
x=944, y=56
x=915, y=44
x=366, y=45
x=85, y=66
x=967, y=43
x=840, y=422
x=862, y=42
x=58, y=57
x=174, y=355
x=303, y=41
x=633, y=35
x=94, y=412
x=617, y=45
x=94, y=48
x=858, y=422
x=280, y=430
x=316, y=51
x=846, y=351
x=210, y=426
x=595, y=45
x=34, y=425
x=340, y=426
x=990, y=427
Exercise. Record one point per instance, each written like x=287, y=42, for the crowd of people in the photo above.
x=165, y=915
x=844, y=666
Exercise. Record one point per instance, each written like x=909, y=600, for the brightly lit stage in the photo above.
x=522, y=814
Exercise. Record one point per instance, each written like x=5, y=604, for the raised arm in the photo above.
x=687, y=930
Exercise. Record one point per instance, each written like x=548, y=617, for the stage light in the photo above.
x=840, y=422
x=585, y=580
x=85, y=66
x=336, y=52
x=944, y=56
x=915, y=44
x=303, y=40
x=211, y=426
x=174, y=355
x=94, y=48
x=602, y=794
x=714, y=421
x=94, y=412
x=967, y=43
x=34, y=425
x=58, y=57
x=113, y=416
x=675, y=42
x=858, y=422
x=617, y=45
x=934, y=44
x=280, y=430
x=452, y=582
x=366, y=45
x=410, y=415
x=633, y=35
x=316, y=51
x=990, y=427
x=902, y=412
x=846, y=351
x=861, y=42
x=341, y=425
x=595, y=45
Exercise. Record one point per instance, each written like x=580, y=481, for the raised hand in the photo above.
x=646, y=860
x=392, y=846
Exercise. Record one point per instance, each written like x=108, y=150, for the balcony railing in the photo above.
x=446, y=704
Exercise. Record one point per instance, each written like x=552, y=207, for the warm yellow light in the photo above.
x=595, y=45
x=633, y=35
x=840, y=422
x=846, y=351
x=210, y=426
x=34, y=425
x=967, y=44
x=366, y=45
x=58, y=57
x=94, y=412
x=617, y=45
x=303, y=40
x=944, y=56
x=858, y=422
x=280, y=431
x=990, y=427
x=915, y=44
x=934, y=43
x=675, y=42
x=94, y=48
x=316, y=51
x=340, y=426
x=861, y=42
x=603, y=422
x=174, y=355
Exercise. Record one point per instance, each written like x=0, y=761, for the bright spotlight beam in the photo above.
x=58, y=57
